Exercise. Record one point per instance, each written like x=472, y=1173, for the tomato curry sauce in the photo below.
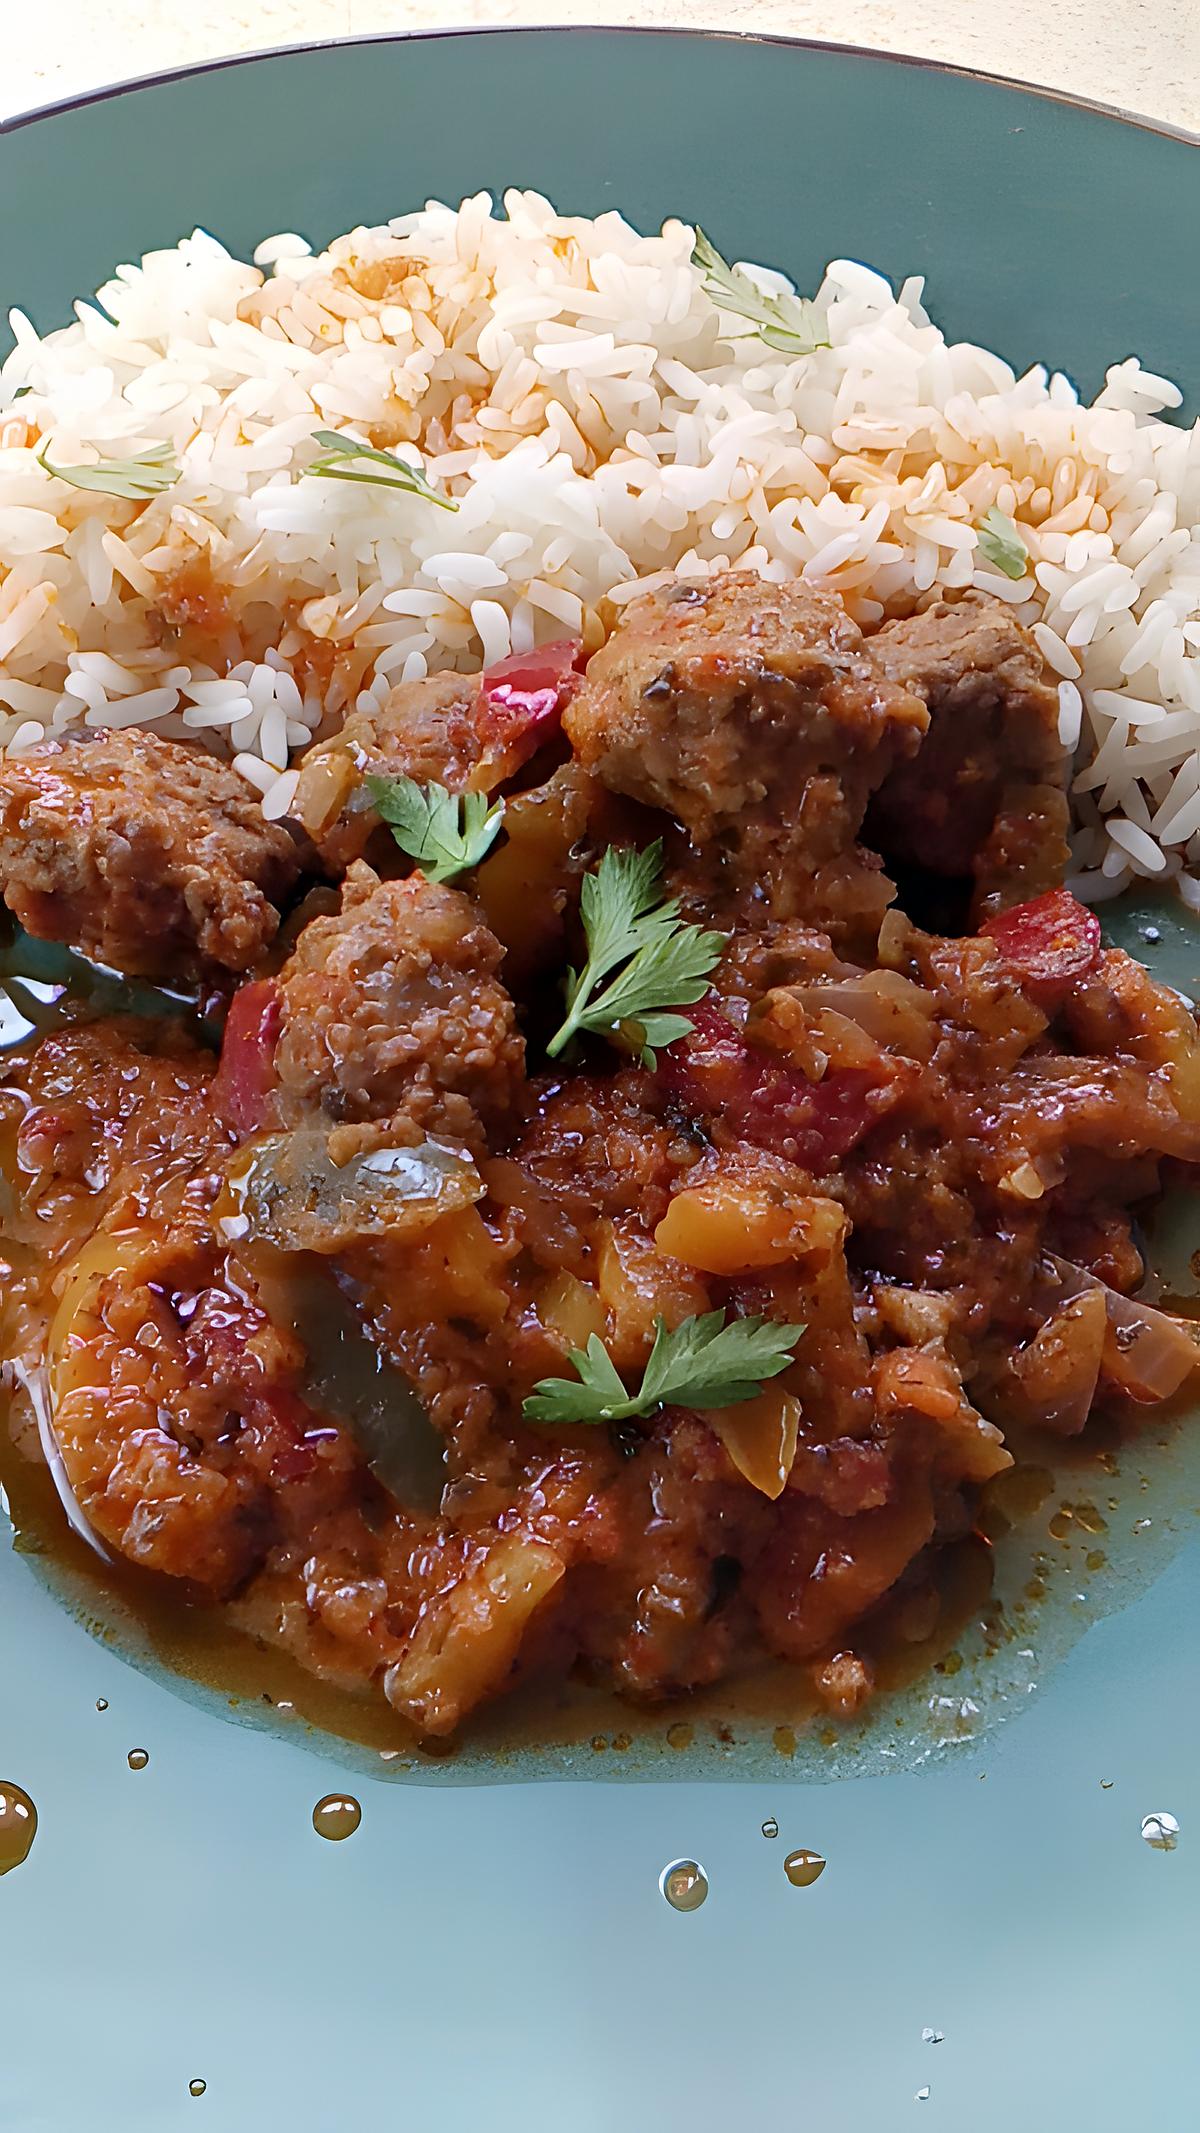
x=706, y=1286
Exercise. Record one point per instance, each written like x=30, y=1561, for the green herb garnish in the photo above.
x=444, y=833
x=703, y=1363
x=666, y=963
x=330, y=466
x=146, y=474
x=790, y=324
x=1000, y=542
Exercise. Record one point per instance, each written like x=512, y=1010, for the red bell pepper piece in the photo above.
x=525, y=695
x=768, y=1103
x=245, y=1075
x=1048, y=943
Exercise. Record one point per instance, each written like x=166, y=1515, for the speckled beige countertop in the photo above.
x=1143, y=55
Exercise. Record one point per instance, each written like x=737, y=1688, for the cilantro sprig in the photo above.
x=999, y=541
x=445, y=833
x=653, y=959
x=330, y=465
x=703, y=1363
x=146, y=474
x=790, y=324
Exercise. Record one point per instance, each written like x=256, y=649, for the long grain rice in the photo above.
x=599, y=424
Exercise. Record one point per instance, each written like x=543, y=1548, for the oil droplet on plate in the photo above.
x=18, y=1825
x=197, y=2087
x=680, y=1735
x=784, y=1740
x=1106, y=1784
x=336, y=1816
x=684, y=1884
x=1092, y=1520
x=1161, y=1831
x=770, y=1828
x=1096, y=1559
x=933, y=2036
x=102, y=1703
x=803, y=1868
x=138, y=1758
x=922, y=2096
x=1060, y=1524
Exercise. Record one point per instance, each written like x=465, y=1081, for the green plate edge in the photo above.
x=852, y=153
x=503, y=1957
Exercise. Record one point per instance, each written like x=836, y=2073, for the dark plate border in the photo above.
x=1138, y=121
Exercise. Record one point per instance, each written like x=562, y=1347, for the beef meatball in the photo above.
x=986, y=795
x=392, y=1012
x=749, y=712
x=143, y=853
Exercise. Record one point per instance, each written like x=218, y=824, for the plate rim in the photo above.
x=160, y=77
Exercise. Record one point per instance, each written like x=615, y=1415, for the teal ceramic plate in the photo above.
x=992, y=1941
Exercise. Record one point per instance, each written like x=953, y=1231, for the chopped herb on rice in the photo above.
x=600, y=426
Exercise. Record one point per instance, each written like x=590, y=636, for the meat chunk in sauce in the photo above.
x=146, y=854
x=750, y=713
x=392, y=1014
x=425, y=730
x=923, y=1150
x=468, y=732
x=177, y=1404
x=986, y=795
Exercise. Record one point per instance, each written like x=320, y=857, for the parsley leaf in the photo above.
x=443, y=833
x=146, y=474
x=664, y=962
x=790, y=324
x=704, y=1363
x=401, y=474
x=999, y=541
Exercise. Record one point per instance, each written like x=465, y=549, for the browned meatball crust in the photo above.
x=392, y=1011
x=424, y=730
x=986, y=794
x=142, y=852
x=436, y=731
x=750, y=712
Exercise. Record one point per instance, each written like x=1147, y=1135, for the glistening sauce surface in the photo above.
x=951, y=1667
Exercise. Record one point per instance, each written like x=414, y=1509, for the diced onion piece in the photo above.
x=760, y=1437
x=1024, y=1182
x=892, y=1010
x=327, y=779
x=1148, y=1354
x=1059, y=1370
x=465, y=1643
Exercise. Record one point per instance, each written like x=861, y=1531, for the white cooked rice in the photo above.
x=570, y=383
